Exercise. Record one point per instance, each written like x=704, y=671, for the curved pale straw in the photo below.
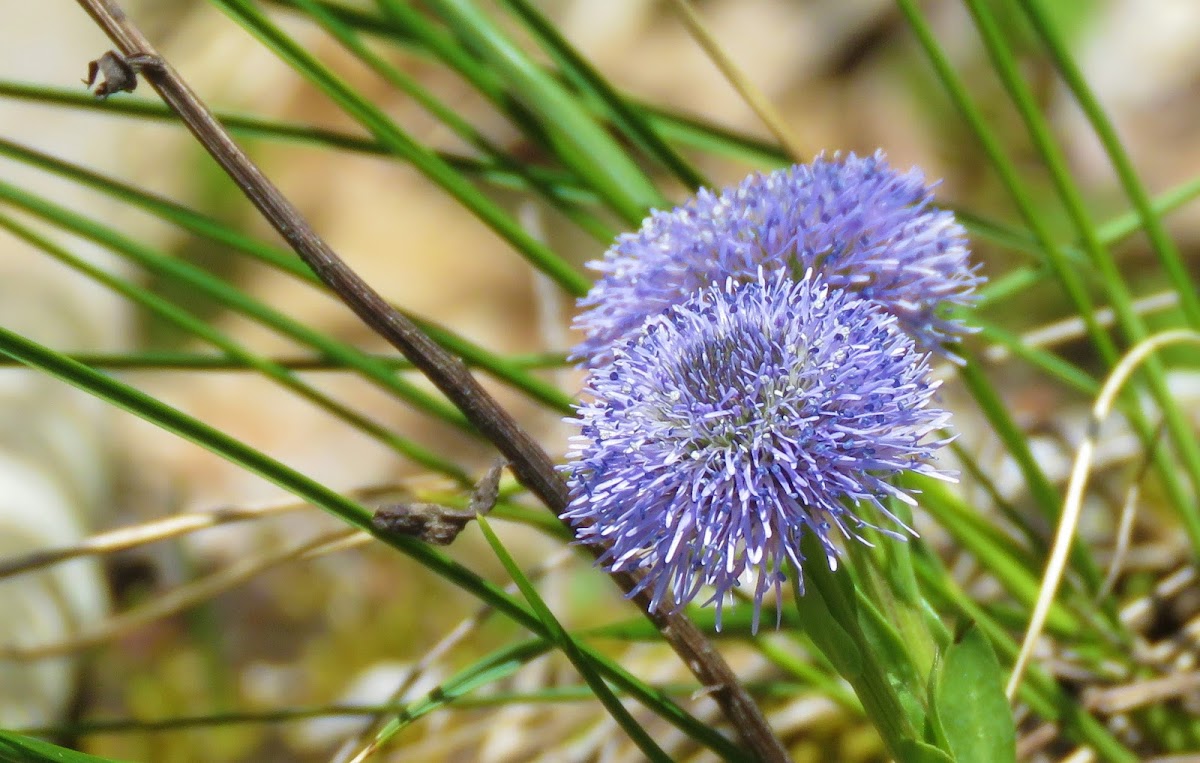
x=1073, y=503
x=754, y=97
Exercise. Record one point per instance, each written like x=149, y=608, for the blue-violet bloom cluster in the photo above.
x=759, y=369
x=739, y=419
x=858, y=223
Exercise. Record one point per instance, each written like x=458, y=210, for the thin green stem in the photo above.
x=832, y=620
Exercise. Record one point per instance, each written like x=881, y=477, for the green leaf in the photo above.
x=916, y=751
x=18, y=749
x=969, y=705
x=1043, y=695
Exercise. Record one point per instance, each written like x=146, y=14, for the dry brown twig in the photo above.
x=530, y=463
x=156, y=530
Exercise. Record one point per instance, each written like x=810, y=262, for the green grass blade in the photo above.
x=631, y=121
x=19, y=749
x=177, y=360
x=394, y=76
x=1151, y=221
x=550, y=695
x=560, y=184
x=579, y=140
x=167, y=311
x=563, y=641
x=1178, y=426
x=389, y=134
x=345, y=15
x=1052, y=365
x=493, y=667
x=208, y=285
x=285, y=261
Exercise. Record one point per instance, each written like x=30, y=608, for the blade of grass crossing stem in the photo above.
x=588, y=222
x=170, y=313
x=582, y=144
x=1015, y=571
x=1178, y=426
x=1110, y=233
x=563, y=641
x=497, y=666
x=236, y=300
x=285, y=261
x=584, y=76
x=160, y=414
x=389, y=134
x=1160, y=240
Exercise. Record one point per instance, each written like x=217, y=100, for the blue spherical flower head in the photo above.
x=739, y=420
x=858, y=223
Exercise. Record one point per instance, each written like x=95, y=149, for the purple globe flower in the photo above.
x=858, y=223
x=739, y=420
